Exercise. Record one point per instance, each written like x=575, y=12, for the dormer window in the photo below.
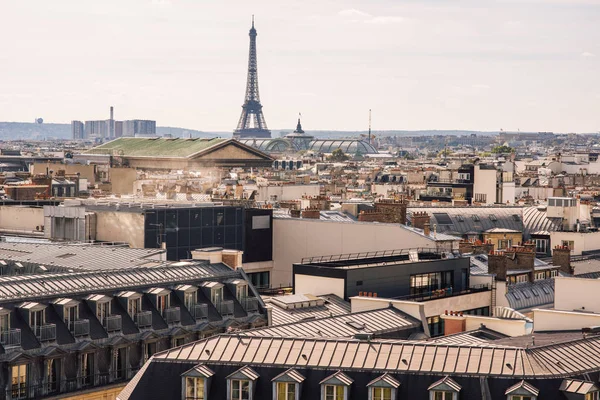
x=241, y=292
x=336, y=387
x=384, y=387
x=162, y=302
x=241, y=384
x=579, y=389
x=522, y=391
x=189, y=300
x=196, y=383
x=444, y=389
x=134, y=306
x=287, y=385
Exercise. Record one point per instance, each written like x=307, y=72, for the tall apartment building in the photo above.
x=137, y=127
x=96, y=129
x=77, y=130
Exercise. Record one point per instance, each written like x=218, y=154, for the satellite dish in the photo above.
x=39, y=120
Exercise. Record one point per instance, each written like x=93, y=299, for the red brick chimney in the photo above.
x=561, y=257
x=311, y=213
x=419, y=218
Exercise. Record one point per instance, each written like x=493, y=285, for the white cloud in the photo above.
x=384, y=20
x=587, y=54
x=352, y=12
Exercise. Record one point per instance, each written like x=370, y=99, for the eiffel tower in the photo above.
x=252, y=121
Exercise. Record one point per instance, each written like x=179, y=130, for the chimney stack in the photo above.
x=419, y=218
x=465, y=247
x=561, y=257
x=311, y=213
x=426, y=228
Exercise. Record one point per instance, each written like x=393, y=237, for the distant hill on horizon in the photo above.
x=50, y=131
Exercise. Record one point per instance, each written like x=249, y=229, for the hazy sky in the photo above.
x=419, y=64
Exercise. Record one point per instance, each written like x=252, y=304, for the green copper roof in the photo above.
x=150, y=147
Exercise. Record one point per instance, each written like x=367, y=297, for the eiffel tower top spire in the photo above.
x=252, y=121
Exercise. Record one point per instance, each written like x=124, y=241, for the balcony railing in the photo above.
x=80, y=327
x=46, y=332
x=11, y=337
x=143, y=319
x=112, y=323
x=442, y=293
x=200, y=311
x=172, y=315
x=36, y=390
x=250, y=304
x=226, y=308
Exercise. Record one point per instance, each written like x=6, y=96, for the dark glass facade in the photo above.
x=186, y=229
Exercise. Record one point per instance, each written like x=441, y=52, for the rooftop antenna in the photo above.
x=252, y=21
x=369, y=126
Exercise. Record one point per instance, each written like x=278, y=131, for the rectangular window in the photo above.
x=553, y=273
x=134, y=306
x=541, y=245
x=591, y=396
x=194, y=389
x=102, y=311
x=36, y=319
x=4, y=323
x=521, y=398
x=334, y=392
x=240, y=390
x=570, y=244
x=382, y=394
x=436, y=326
x=431, y=284
x=260, y=279
x=162, y=303
x=87, y=369
x=261, y=222
x=71, y=315
x=216, y=296
x=442, y=395
x=241, y=292
x=286, y=391
x=464, y=176
x=19, y=381
x=189, y=300
x=504, y=244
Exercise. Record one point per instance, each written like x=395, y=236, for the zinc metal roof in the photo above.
x=333, y=306
x=395, y=356
x=462, y=221
x=24, y=287
x=387, y=378
x=151, y=147
x=375, y=322
x=527, y=295
x=537, y=221
x=79, y=257
x=578, y=386
x=525, y=386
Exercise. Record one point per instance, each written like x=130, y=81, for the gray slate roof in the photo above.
x=28, y=287
x=333, y=306
x=536, y=221
x=527, y=295
x=78, y=257
x=460, y=221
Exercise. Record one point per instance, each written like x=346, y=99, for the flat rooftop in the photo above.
x=378, y=258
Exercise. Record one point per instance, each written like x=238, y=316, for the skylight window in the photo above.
x=493, y=217
x=443, y=218
x=476, y=218
x=460, y=218
x=516, y=217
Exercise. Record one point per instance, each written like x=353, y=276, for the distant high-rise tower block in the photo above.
x=77, y=130
x=139, y=127
x=252, y=121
